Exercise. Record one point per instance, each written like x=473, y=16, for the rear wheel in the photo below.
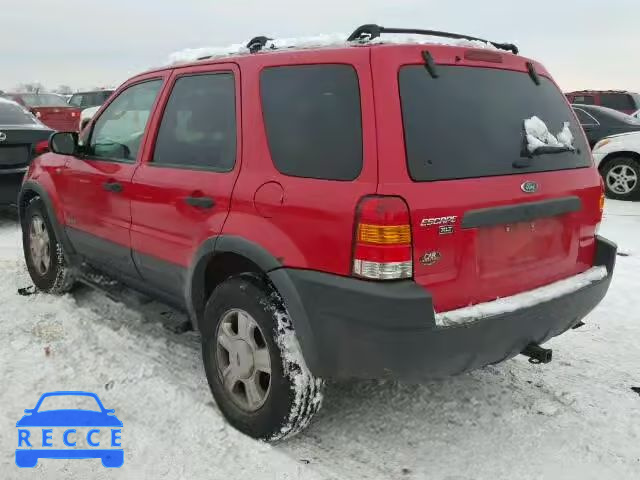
x=622, y=178
x=253, y=362
x=42, y=251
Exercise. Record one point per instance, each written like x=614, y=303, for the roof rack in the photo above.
x=258, y=43
x=371, y=31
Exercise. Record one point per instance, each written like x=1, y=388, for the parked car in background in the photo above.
x=93, y=98
x=51, y=109
x=599, y=122
x=22, y=137
x=320, y=225
x=618, y=160
x=90, y=102
x=86, y=115
x=623, y=101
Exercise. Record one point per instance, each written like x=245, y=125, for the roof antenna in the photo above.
x=532, y=73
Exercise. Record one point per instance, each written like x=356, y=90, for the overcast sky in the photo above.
x=585, y=44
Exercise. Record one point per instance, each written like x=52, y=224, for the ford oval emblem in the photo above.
x=529, y=187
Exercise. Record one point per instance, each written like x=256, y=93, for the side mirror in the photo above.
x=64, y=143
x=28, y=410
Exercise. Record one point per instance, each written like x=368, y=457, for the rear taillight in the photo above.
x=382, y=245
x=41, y=147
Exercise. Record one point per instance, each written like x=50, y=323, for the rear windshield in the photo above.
x=12, y=114
x=617, y=101
x=469, y=122
x=43, y=100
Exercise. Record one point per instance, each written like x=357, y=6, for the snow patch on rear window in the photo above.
x=520, y=300
x=539, y=136
x=328, y=40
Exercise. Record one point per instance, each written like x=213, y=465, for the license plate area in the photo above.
x=13, y=156
x=509, y=247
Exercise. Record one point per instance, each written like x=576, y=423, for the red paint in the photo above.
x=310, y=223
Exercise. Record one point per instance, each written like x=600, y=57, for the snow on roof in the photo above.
x=332, y=40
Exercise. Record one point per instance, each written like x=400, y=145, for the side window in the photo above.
x=76, y=100
x=313, y=121
x=585, y=118
x=117, y=134
x=198, y=128
x=617, y=101
x=583, y=100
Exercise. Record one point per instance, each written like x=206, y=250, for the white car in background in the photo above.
x=618, y=159
x=86, y=115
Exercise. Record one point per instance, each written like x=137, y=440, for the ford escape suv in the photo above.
x=367, y=210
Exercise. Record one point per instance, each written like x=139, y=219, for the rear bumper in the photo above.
x=351, y=328
x=10, y=184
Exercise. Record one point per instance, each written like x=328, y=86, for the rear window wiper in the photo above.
x=526, y=162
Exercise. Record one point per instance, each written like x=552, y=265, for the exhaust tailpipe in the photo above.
x=537, y=354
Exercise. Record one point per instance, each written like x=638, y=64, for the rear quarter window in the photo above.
x=469, y=122
x=313, y=121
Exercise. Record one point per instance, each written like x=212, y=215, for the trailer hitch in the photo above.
x=537, y=354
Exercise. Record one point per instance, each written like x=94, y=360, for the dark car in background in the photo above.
x=51, y=109
x=22, y=137
x=621, y=100
x=89, y=99
x=599, y=122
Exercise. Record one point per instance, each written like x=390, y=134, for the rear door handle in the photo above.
x=112, y=187
x=200, y=202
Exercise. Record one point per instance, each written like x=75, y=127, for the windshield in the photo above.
x=469, y=122
x=69, y=402
x=43, y=100
x=13, y=114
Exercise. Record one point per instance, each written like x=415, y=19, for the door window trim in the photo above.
x=85, y=156
x=171, y=86
x=596, y=124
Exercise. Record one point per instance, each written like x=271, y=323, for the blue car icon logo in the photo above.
x=45, y=432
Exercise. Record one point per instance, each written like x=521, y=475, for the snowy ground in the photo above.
x=576, y=418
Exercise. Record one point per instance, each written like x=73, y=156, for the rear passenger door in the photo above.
x=184, y=184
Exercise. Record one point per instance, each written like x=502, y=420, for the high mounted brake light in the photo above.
x=382, y=244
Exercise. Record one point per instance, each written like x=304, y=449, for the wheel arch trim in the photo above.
x=272, y=268
x=43, y=194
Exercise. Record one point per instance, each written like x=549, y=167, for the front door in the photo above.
x=184, y=183
x=97, y=182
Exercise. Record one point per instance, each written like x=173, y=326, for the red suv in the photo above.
x=623, y=101
x=368, y=210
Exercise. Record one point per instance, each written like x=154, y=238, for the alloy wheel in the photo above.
x=622, y=179
x=39, y=245
x=244, y=363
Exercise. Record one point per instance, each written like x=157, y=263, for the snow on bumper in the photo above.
x=520, y=300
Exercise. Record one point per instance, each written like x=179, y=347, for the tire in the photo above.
x=622, y=178
x=292, y=395
x=52, y=276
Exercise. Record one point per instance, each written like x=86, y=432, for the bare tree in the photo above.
x=31, y=87
x=63, y=90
